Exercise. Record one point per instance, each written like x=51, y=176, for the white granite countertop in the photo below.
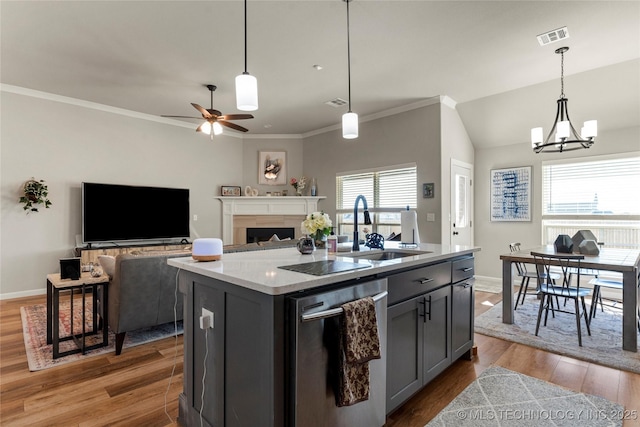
x=258, y=270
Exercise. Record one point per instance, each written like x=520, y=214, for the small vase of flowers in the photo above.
x=317, y=225
x=298, y=184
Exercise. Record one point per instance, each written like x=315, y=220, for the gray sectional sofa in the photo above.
x=142, y=290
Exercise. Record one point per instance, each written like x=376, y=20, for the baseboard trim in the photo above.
x=31, y=293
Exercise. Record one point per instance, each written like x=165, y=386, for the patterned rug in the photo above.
x=560, y=336
x=40, y=354
x=500, y=397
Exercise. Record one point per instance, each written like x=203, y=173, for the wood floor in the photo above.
x=129, y=390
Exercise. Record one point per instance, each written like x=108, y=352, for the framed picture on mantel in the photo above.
x=229, y=190
x=272, y=168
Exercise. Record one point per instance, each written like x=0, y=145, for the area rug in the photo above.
x=40, y=354
x=500, y=397
x=603, y=347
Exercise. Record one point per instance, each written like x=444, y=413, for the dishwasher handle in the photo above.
x=335, y=311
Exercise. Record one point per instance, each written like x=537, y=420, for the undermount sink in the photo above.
x=385, y=255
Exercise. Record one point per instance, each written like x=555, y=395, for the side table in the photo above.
x=54, y=286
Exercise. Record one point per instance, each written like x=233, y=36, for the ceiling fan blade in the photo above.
x=236, y=116
x=204, y=112
x=232, y=125
x=182, y=117
x=214, y=113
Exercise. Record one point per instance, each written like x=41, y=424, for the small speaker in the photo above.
x=70, y=268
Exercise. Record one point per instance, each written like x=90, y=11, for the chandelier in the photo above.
x=563, y=136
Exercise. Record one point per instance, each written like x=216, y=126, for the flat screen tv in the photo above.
x=121, y=213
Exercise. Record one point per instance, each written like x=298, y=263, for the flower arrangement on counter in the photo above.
x=298, y=184
x=317, y=224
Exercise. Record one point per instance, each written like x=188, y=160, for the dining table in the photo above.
x=624, y=261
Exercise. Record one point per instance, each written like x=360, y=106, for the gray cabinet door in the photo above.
x=404, y=351
x=462, y=306
x=436, y=332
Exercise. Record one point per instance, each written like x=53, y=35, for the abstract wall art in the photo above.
x=511, y=194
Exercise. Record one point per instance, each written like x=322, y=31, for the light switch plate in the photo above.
x=431, y=217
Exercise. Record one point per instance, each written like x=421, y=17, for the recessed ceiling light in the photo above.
x=267, y=126
x=317, y=67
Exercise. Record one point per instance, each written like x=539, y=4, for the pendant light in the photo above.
x=246, y=84
x=563, y=136
x=349, y=119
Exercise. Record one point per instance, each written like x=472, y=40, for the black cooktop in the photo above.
x=321, y=268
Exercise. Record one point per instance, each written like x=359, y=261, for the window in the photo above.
x=596, y=193
x=387, y=191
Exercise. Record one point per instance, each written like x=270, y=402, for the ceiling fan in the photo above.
x=214, y=119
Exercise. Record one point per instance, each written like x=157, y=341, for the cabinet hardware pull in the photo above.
x=429, y=313
x=424, y=310
x=467, y=269
x=425, y=280
x=335, y=311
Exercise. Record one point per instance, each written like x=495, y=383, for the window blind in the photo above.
x=387, y=189
x=606, y=186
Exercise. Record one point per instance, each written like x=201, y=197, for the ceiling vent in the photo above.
x=553, y=36
x=338, y=102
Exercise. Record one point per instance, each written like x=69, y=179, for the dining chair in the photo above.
x=549, y=289
x=526, y=275
x=599, y=283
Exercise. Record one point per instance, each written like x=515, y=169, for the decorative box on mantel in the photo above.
x=288, y=207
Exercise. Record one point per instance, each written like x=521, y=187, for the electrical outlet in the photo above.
x=206, y=320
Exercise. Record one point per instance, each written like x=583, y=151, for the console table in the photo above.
x=54, y=286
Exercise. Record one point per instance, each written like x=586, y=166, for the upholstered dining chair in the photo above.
x=549, y=289
x=526, y=276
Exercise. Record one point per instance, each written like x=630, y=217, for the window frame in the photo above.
x=373, y=207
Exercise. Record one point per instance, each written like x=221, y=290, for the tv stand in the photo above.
x=90, y=254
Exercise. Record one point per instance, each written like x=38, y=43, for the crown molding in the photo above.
x=444, y=100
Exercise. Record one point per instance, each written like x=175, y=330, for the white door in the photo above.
x=461, y=203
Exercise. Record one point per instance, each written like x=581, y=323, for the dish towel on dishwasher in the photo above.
x=359, y=343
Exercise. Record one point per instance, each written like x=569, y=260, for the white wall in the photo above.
x=494, y=237
x=412, y=136
x=66, y=144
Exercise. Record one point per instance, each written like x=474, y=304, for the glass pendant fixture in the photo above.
x=349, y=119
x=246, y=84
x=563, y=136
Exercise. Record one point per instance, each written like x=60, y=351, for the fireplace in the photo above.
x=263, y=234
x=240, y=213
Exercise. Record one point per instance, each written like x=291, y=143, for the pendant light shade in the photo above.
x=563, y=136
x=246, y=84
x=349, y=125
x=349, y=119
x=246, y=92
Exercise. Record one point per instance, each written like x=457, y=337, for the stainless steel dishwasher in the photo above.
x=314, y=319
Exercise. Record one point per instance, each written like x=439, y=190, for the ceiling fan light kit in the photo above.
x=349, y=119
x=563, y=136
x=246, y=84
x=214, y=119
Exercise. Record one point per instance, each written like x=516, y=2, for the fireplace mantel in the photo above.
x=263, y=205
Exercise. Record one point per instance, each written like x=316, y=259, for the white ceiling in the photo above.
x=154, y=57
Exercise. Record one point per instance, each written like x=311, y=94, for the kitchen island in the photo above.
x=250, y=357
